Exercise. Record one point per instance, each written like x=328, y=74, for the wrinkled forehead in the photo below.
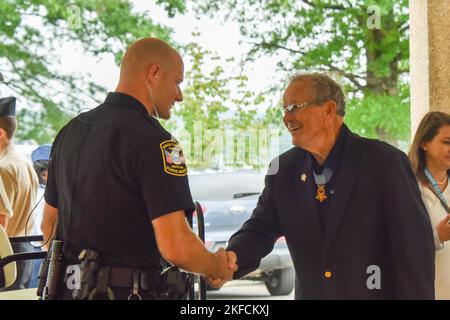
x=299, y=91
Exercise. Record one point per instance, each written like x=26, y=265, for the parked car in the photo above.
x=228, y=200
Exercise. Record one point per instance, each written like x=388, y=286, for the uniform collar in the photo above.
x=332, y=160
x=125, y=100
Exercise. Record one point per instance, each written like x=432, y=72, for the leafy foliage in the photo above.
x=340, y=37
x=218, y=109
x=31, y=32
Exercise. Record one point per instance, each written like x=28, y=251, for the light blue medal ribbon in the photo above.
x=435, y=186
x=322, y=179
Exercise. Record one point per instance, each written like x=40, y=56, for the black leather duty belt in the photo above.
x=117, y=277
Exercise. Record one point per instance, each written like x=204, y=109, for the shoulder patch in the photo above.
x=173, y=158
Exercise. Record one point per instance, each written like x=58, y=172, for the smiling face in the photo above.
x=437, y=151
x=306, y=125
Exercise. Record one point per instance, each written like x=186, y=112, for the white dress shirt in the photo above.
x=437, y=213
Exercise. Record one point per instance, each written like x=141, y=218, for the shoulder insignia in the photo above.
x=173, y=158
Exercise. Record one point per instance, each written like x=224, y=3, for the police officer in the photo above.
x=117, y=183
x=18, y=189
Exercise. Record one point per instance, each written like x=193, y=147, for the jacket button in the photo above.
x=328, y=274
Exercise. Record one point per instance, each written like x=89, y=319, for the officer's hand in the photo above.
x=232, y=267
x=215, y=283
x=223, y=272
x=443, y=229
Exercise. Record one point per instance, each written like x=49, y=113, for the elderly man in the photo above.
x=349, y=207
x=116, y=193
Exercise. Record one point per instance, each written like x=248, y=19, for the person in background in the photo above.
x=430, y=159
x=40, y=158
x=18, y=195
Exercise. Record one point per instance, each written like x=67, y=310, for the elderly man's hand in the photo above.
x=229, y=268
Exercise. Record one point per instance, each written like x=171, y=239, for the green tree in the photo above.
x=215, y=101
x=364, y=43
x=32, y=30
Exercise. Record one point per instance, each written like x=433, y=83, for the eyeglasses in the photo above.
x=294, y=107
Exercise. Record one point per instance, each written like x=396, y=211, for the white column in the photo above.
x=429, y=57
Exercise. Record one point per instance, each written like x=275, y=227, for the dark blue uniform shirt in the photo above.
x=113, y=170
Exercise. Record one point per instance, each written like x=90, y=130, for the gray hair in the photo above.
x=325, y=89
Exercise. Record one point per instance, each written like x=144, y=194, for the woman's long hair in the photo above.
x=427, y=130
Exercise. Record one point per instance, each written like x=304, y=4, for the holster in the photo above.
x=174, y=284
x=88, y=270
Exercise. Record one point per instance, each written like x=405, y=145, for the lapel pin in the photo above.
x=303, y=177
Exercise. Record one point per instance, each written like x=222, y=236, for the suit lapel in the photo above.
x=307, y=208
x=347, y=173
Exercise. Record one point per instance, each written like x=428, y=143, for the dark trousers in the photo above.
x=24, y=268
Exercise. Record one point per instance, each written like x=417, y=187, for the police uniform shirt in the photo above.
x=113, y=170
x=18, y=190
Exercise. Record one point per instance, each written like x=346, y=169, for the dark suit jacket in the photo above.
x=376, y=218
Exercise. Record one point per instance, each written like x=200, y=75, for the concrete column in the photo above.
x=430, y=58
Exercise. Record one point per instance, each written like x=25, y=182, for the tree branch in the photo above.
x=350, y=76
x=353, y=78
x=267, y=45
x=47, y=85
x=325, y=6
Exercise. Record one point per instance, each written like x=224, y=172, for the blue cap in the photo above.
x=41, y=153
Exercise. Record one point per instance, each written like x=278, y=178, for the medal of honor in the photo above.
x=321, y=180
x=321, y=194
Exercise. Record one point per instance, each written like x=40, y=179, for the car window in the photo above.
x=229, y=214
x=224, y=186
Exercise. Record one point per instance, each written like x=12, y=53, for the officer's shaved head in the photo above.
x=151, y=72
x=142, y=53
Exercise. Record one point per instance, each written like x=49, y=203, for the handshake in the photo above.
x=225, y=268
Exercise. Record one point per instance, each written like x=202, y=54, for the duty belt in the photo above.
x=136, y=279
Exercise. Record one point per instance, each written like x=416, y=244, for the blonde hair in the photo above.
x=427, y=130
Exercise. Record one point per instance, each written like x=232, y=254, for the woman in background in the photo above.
x=430, y=160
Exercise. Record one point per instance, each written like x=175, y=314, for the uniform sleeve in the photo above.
x=5, y=199
x=162, y=174
x=409, y=232
x=256, y=238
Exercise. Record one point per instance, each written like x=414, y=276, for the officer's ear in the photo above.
x=154, y=72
